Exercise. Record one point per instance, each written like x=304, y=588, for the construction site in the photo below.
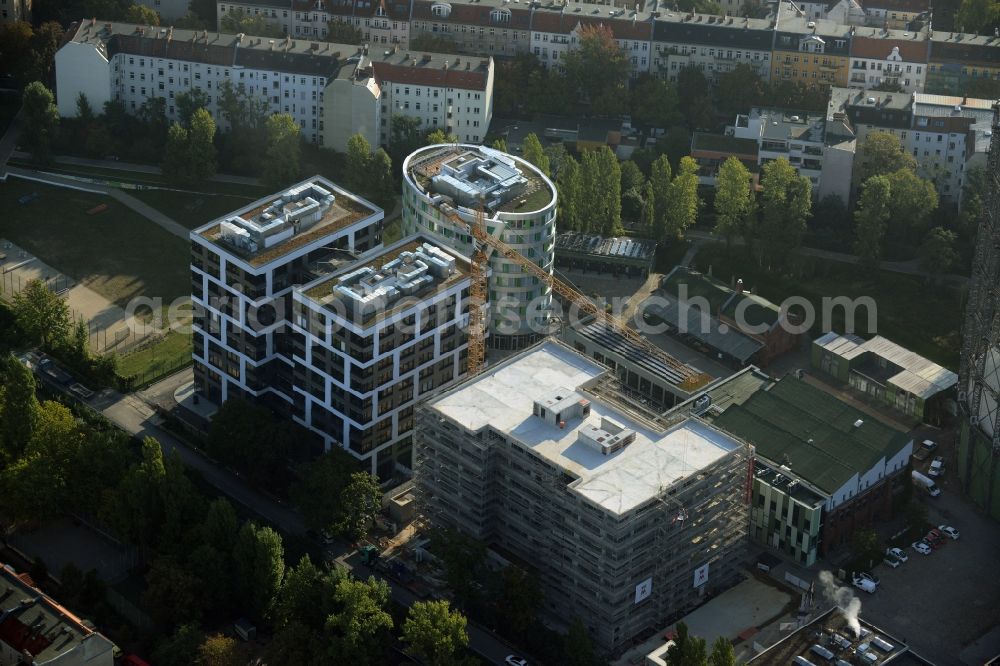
x=630, y=517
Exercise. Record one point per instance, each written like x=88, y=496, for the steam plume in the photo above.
x=849, y=605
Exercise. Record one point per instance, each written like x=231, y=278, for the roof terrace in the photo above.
x=373, y=288
x=272, y=227
x=472, y=174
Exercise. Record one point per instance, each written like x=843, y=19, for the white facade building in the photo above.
x=133, y=64
x=877, y=61
x=374, y=339
x=380, y=22
x=555, y=33
x=519, y=204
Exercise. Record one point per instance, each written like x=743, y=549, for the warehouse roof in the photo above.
x=822, y=439
x=903, y=368
x=504, y=397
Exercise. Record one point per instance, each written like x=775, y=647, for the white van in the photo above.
x=802, y=661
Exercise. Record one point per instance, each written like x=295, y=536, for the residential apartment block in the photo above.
x=811, y=52
x=946, y=135
x=959, y=60
x=713, y=44
x=627, y=518
x=372, y=340
x=347, y=89
x=35, y=629
x=380, y=22
x=814, y=450
x=442, y=182
x=880, y=60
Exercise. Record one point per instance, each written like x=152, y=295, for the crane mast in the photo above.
x=691, y=379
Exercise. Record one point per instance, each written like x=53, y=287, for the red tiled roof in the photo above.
x=472, y=79
x=560, y=22
x=21, y=637
x=869, y=47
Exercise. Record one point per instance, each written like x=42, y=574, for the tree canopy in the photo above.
x=435, y=633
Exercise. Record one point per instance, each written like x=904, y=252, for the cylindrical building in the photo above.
x=519, y=205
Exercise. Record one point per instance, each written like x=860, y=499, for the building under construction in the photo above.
x=979, y=374
x=629, y=518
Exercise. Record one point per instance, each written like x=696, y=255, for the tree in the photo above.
x=248, y=437
x=45, y=41
x=692, y=87
x=362, y=622
x=205, y=10
x=359, y=155
x=912, y=200
x=180, y=648
x=435, y=633
x=318, y=494
x=18, y=408
x=648, y=219
x=785, y=205
x=307, y=595
x=238, y=21
x=723, y=653
x=865, y=544
x=84, y=112
x=739, y=90
x=599, y=69
x=172, y=594
x=438, y=135
x=176, y=154
x=360, y=502
x=632, y=176
x=463, y=559
x=201, y=149
x=659, y=179
x=142, y=15
x=342, y=32
x=532, y=151
x=42, y=315
x=654, y=102
x=382, y=180
x=937, y=253
x=500, y=144
x=577, y=646
x=687, y=650
x=187, y=102
x=568, y=186
x=433, y=43
x=16, y=39
x=41, y=119
x=282, y=155
x=219, y=650
x=520, y=599
x=978, y=16
x=258, y=563
x=682, y=202
x=734, y=200
x=870, y=218
x=600, y=192
x=881, y=154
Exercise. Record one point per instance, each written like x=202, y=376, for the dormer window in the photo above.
x=500, y=15
x=442, y=9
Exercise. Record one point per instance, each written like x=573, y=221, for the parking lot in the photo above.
x=942, y=603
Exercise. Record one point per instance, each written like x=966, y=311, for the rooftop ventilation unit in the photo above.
x=608, y=437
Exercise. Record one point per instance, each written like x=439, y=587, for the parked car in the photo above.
x=514, y=660
x=936, y=469
x=935, y=538
x=949, y=531
x=891, y=562
x=922, y=547
x=898, y=553
x=867, y=575
x=864, y=584
x=930, y=445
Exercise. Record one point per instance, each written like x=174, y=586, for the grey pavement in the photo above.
x=168, y=224
x=138, y=168
x=911, y=267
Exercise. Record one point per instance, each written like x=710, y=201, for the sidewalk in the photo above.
x=168, y=224
x=129, y=166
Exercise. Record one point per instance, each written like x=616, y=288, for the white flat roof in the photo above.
x=504, y=397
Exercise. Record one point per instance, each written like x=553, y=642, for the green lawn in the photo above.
x=910, y=312
x=192, y=210
x=168, y=353
x=117, y=253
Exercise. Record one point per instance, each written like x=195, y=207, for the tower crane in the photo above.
x=691, y=379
